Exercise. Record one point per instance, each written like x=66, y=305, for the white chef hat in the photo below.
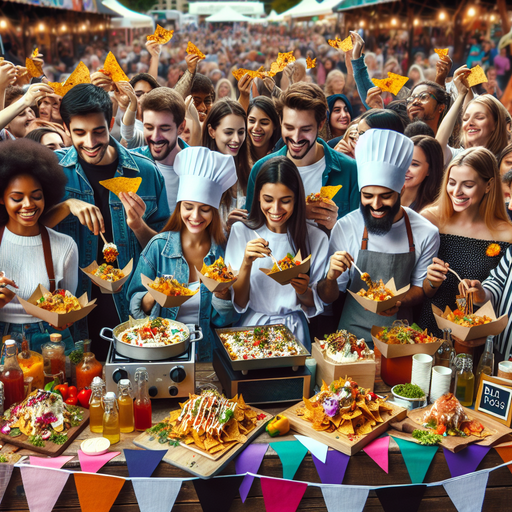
x=383, y=157
x=204, y=175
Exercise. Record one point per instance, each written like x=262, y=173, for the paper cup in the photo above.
x=421, y=368
x=441, y=380
x=505, y=370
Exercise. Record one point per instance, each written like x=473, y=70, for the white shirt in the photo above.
x=171, y=183
x=189, y=310
x=347, y=235
x=312, y=176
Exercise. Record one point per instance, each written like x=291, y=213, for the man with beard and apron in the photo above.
x=383, y=238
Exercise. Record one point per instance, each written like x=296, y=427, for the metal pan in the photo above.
x=151, y=353
x=269, y=362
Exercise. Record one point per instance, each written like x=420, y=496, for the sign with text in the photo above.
x=494, y=398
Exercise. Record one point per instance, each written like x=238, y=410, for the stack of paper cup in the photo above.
x=441, y=380
x=421, y=368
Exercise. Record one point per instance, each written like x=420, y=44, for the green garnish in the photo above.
x=76, y=356
x=76, y=415
x=3, y=458
x=58, y=438
x=49, y=386
x=226, y=416
x=36, y=440
x=431, y=424
x=156, y=428
x=15, y=432
x=426, y=438
x=408, y=391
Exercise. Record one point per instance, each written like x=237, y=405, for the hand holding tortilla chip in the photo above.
x=79, y=76
x=345, y=44
x=283, y=59
x=121, y=184
x=161, y=35
x=112, y=69
x=393, y=83
x=193, y=49
x=477, y=76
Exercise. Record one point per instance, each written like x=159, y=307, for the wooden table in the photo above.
x=361, y=471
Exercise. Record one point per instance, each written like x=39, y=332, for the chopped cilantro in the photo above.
x=36, y=440
x=58, y=438
x=426, y=438
x=226, y=416
x=156, y=428
x=15, y=432
x=3, y=458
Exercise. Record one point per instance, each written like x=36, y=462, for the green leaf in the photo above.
x=49, y=386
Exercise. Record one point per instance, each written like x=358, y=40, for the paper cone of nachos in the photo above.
x=58, y=308
x=291, y=267
x=167, y=291
x=108, y=278
x=218, y=276
x=380, y=298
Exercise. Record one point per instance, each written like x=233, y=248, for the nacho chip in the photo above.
x=346, y=428
x=161, y=35
x=112, y=69
x=283, y=59
x=441, y=52
x=198, y=439
x=310, y=63
x=35, y=53
x=79, y=76
x=365, y=428
x=477, y=76
x=345, y=44
x=174, y=415
x=121, y=184
x=34, y=68
x=222, y=447
x=210, y=442
x=193, y=49
x=188, y=440
x=351, y=415
x=393, y=83
x=330, y=191
x=239, y=73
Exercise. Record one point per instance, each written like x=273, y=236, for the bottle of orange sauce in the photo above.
x=88, y=368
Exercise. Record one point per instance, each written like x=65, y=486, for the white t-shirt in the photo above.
x=171, y=183
x=312, y=176
x=189, y=310
x=347, y=235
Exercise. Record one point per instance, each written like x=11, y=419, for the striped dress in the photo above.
x=499, y=284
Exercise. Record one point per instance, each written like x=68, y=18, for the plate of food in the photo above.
x=58, y=308
x=218, y=276
x=379, y=296
x=107, y=277
x=344, y=416
x=288, y=268
x=167, y=291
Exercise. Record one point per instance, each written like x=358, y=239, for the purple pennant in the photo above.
x=249, y=461
x=467, y=460
x=333, y=471
x=142, y=463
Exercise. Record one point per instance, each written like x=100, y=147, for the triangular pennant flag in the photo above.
x=333, y=471
x=5, y=477
x=401, y=499
x=378, y=450
x=291, y=454
x=353, y=497
x=282, y=495
x=249, y=461
x=54, y=462
x=505, y=453
x=156, y=494
x=106, y=488
x=417, y=458
x=224, y=489
x=468, y=492
x=318, y=449
x=92, y=463
x=42, y=487
x=142, y=463
x=467, y=460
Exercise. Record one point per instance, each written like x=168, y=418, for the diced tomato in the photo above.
x=441, y=429
x=245, y=356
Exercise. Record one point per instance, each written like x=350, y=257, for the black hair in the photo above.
x=203, y=84
x=400, y=107
x=146, y=77
x=384, y=119
x=28, y=157
x=266, y=105
x=281, y=169
x=507, y=178
x=442, y=97
x=85, y=99
x=39, y=133
x=418, y=128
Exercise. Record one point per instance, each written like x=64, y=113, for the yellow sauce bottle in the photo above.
x=125, y=401
x=111, y=429
x=96, y=409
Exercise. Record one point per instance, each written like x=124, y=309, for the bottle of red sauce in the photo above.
x=12, y=376
x=142, y=403
x=88, y=368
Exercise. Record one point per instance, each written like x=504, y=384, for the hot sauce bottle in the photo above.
x=142, y=404
x=54, y=357
x=125, y=401
x=12, y=376
x=32, y=365
x=88, y=368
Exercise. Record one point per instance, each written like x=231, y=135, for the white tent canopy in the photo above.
x=129, y=19
x=227, y=15
x=310, y=8
x=274, y=17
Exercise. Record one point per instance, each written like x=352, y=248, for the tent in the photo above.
x=274, y=17
x=128, y=19
x=310, y=8
x=229, y=15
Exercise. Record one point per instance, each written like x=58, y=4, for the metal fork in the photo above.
x=271, y=255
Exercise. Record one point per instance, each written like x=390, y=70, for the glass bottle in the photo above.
x=111, y=418
x=96, y=409
x=12, y=376
x=486, y=363
x=88, y=368
x=445, y=353
x=465, y=380
x=142, y=403
x=31, y=364
x=54, y=358
x=125, y=401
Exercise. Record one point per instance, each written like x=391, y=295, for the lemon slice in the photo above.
x=95, y=446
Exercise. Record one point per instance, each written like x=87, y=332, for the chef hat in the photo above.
x=204, y=175
x=383, y=157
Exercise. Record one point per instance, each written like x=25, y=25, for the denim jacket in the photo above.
x=151, y=191
x=164, y=256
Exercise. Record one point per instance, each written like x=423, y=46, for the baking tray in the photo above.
x=268, y=362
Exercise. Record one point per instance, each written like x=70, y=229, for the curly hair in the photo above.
x=25, y=157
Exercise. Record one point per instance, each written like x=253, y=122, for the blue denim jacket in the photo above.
x=151, y=191
x=164, y=256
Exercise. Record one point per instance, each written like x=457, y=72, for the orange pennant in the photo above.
x=97, y=493
x=79, y=76
x=112, y=69
x=505, y=452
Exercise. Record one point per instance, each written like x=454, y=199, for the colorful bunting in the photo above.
x=224, y=489
x=333, y=471
x=5, y=476
x=401, y=499
x=378, y=450
x=156, y=494
x=417, y=458
x=106, y=488
x=282, y=495
x=505, y=452
x=142, y=463
x=47, y=462
x=467, y=492
x=249, y=460
x=467, y=460
x=291, y=454
x=42, y=487
x=318, y=449
x=92, y=463
x=353, y=497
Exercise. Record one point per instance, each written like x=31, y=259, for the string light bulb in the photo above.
x=471, y=11
x=3, y=24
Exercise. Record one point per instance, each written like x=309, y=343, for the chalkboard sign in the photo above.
x=495, y=398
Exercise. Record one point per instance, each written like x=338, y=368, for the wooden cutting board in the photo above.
x=193, y=459
x=340, y=441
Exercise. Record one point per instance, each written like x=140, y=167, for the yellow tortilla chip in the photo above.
x=193, y=49
x=112, y=68
x=393, y=83
x=161, y=35
x=364, y=428
x=346, y=427
x=222, y=447
x=345, y=44
x=198, y=439
x=34, y=68
x=310, y=63
x=35, y=53
x=441, y=52
x=330, y=191
x=210, y=442
x=174, y=415
x=351, y=415
x=118, y=185
x=283, y=59
x=239, y=73
x=79, y=76
x=188, y=440
x=477, y=76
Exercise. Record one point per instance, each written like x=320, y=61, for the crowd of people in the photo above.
x=226, y=168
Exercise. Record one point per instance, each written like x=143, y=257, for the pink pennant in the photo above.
x=54, y=462
x=42, y=487
x=378, y=450
x=282, y=495
x=92, y=463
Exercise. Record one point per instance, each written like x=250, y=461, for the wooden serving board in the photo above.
x=337, y=440
x=50, y=449
x=193, y=459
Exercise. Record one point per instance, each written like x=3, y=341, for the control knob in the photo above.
x=119, y=374
x=178, y=374
x=173, y=390
x=153, y=391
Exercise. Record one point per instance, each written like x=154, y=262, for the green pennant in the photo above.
x=417, y=458
x=291, y=454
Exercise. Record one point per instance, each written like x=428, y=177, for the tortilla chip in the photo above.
x=35, y=53
x=210, y=442
x=346, y=428
x=351, y=415
x=193, y=49
x=283, y=59
x=442, y=53
x=308, y=405
x=364, y=428
x=34, y=68
x=385, y=407
x=330, y=191
x=79, y=76
x=241, y=402
x=377, y=416
x=250, y=414
x=174, y=415
x=345, y=44
x=239, y=414
x=222, y=447
x=231, y=431
x=477, y=76
x=239, y=73
x=188, y=440
x=310, y=63
x=118, y=185
x=161, y=35
x=112, y=69
x=393, y=83
x=198, y=439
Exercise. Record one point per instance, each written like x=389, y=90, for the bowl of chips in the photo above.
x=108, y=278
x=167, y=291
x=289, y=268
x=218, y=276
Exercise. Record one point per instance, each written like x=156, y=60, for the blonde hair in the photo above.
x=335, y=73
x=492, y=206
x=231, y=95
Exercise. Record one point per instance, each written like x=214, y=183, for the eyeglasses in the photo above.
x=422, y=97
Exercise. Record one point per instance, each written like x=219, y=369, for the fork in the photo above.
x=271, y=255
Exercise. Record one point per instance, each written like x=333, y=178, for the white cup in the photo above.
x=420, y=375
x=441, y=380
x=505, y=370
